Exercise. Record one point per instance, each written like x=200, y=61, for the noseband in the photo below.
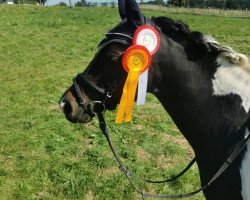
x=98, y=106
x=93, y=107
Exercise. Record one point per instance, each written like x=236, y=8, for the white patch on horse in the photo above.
x=61, y=104
x=233, y=76
x=245, y=173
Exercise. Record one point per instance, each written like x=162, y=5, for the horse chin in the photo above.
x=80, y=117
x=85, y=118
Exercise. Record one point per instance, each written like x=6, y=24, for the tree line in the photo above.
x=222, y=4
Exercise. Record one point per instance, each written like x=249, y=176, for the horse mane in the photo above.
x=226, y=53
x=197, y=45
x=192, y=41
x=176, y=30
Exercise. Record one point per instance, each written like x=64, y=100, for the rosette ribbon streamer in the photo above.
x=148, y=37
x=136, y=60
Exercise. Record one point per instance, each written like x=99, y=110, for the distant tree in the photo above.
x=61, y=4
x=187, y=3
x=216, y=3
x=113, y=3
x=195, y=3
x=242, y=4
x=159, y=2
x=232, y=4
x=222, y=4
x=78, y=4
x=25, y=1
x=172, y=2
x=41, y=2
x=81, y=3
x=245, y=4
x=179, y=3
x=156, y=2
x=151, y=2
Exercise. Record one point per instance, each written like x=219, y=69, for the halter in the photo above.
x=94, y=107
x=98, y=107
x=81, y=79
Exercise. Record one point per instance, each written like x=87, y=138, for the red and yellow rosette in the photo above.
x=136, y=60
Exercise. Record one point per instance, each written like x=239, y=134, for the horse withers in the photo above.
x=204, y=86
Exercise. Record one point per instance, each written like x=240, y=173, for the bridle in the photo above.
x=81, y=79
x=98, y=108
x=95, y=107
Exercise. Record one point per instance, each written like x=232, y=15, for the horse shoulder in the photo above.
x=233, y=76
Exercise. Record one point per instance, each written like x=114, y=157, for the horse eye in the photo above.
x=113, y=59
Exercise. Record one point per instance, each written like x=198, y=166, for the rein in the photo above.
x=98, y=107
x=238, y=148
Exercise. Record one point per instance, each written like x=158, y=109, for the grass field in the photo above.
x=43, y=156
x=199, y=11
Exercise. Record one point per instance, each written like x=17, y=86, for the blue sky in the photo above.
x=53, y=2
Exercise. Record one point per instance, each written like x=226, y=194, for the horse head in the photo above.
x=99, y=87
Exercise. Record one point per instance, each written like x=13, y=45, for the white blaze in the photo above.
x=62, y=103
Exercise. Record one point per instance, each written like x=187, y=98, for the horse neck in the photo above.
x=185, y=90
x=178, y=83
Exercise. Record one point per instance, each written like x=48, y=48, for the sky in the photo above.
x=54, y=2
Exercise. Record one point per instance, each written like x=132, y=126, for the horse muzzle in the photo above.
x=73, y=111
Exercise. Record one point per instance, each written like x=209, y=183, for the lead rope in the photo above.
x=238, y=148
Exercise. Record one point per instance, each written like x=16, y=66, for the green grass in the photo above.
x=42, y=155
x=199, y=11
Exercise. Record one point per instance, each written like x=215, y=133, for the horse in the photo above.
x=204, y=86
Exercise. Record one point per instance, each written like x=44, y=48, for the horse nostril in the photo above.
x=61, y=105
x=66, y=107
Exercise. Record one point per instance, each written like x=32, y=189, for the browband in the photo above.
x=122, y=37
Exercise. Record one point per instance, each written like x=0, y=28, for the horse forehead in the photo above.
x=231, y=78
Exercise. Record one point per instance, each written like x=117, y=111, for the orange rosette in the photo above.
x=136, y=60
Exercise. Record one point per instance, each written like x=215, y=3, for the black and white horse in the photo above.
x=203, y=86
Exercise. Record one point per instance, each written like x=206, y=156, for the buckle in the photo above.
x=96, y=107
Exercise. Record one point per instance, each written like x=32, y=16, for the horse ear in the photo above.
x=122, y=12
x=133, y=12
